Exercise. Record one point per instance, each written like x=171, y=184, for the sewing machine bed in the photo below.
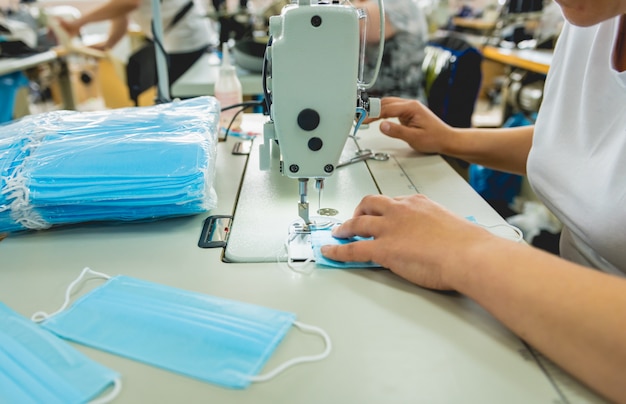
x=267, y=206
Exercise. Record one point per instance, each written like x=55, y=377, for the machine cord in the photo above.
x=243, y=106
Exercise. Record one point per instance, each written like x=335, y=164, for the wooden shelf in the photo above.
x=474, y=23
x=537, y=61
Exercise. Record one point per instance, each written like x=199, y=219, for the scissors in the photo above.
x=363, y=155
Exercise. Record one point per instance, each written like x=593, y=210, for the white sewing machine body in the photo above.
x=314, y=58
x=311, y=91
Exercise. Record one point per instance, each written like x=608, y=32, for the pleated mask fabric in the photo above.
x=205, y=337
x=36, y=366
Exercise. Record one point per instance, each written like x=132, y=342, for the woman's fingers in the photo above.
x=358, y=251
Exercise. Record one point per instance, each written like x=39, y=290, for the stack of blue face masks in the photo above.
x=127, y=164
x=10, y=152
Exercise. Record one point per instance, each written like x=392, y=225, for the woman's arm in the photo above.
x=503, y=149
x=576, y=316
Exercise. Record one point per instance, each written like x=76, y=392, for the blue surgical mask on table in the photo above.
x=205, y=337
x=38, y=367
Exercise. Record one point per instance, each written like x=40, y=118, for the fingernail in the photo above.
x=384, y=126
x=323, y=249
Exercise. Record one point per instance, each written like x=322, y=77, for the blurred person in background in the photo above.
x=406, y=33
x=187, y=34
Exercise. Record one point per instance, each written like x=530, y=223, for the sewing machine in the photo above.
x=316, y=98
x=312, y=83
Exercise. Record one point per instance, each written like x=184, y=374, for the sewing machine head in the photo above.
x=312, y=88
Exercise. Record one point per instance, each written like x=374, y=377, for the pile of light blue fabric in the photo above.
x=126, y=164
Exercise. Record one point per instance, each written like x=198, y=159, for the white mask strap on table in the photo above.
x=117, y=387
x=41, y=315
x=302, y=359
x=304, y=267
x=519, y=234
x=308, y=265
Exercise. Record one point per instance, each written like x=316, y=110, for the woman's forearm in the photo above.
x=504, y=149
x=573, y=315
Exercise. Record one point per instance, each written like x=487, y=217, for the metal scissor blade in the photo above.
x=356, y=159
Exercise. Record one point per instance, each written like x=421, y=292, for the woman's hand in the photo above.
x=419, y=126
x=412, y=236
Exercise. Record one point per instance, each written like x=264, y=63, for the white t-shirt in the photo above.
x=577, y=163
x=190, y=33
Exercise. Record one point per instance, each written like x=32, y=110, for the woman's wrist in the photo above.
x=452, y=141
x=472, y=258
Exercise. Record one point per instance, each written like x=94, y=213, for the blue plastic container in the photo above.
x=495, y=185
x=9, y=84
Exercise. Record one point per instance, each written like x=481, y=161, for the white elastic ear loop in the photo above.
x=117, y=387
x=519, y=234
x=302, y=359
x=42, y=315
x=305, y=267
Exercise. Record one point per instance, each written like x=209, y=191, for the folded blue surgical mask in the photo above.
x=320, y=237
x=38, y=367
x=205, y=337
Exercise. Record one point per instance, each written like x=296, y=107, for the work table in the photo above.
x=393, y=342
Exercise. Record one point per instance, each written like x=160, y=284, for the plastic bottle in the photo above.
x=228, y=91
